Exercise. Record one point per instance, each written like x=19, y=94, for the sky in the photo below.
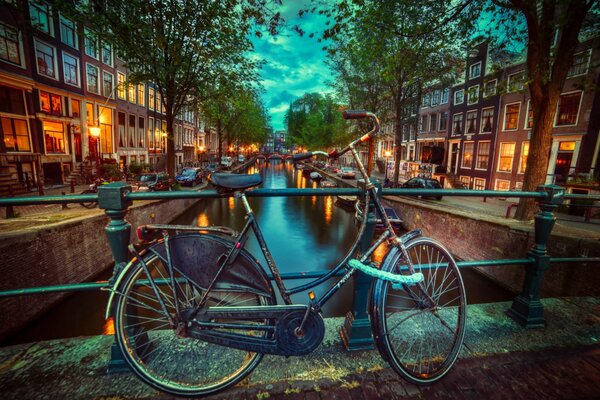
x=294, y=64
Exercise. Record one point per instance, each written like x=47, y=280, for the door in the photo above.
x=561, y=169
x=77, y=142
x=454, y=158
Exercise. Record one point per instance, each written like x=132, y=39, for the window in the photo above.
x=45, y=58
x=71, y=69
x=487, y=120
x=483, y=155
x=105, y=117
x=467, y=157
x=107, y=84
x=40, y=17
x=502, y=185
x=443, y=121
x=91, y=44
x=459, y=96
x=75, y=108
x=465, y=180
x=107, y=55
x=151, y=98
x=141, y=132
x=141, y=94
x=426, y=100
x=423, y=123
x=511, y=116
x=475, y=70
x=151, y=133
x=445, y=94
x=479, y=184
x=472, y=122
x=457, y=124
x=121, y=85
x=92, y=78
x=529, y=122
x=9, y=45
x=473, y=95
x=131, y=92
x=50, y=103
x=516, y=81
x=435, y=98
x=489, y=89
x=433, y=123
x=16, y=134
x=54, y=137
x=507, y=151
x=121, y=129
x=68, y=32
x=568, y=108
x=581, y=62
x=524, y=154
x=131, y=142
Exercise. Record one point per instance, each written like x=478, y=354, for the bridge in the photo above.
x=484, y=368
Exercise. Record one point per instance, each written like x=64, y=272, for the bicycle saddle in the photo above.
x=236, y=181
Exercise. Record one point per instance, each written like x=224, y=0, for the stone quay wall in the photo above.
x=67, y=252
x=472, y=237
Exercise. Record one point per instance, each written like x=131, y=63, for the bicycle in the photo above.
x=195, y=312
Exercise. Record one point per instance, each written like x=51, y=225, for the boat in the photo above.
x=327, y=184
x=346, y=202
x=315, y=176
x=397, y=223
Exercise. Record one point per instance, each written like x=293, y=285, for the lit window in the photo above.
x=475, y=70
x=459, y=96
x=16, y=134
x=40, y=16
x=581, y=62
x=68, y=32
x=471, y=121
x=121, y=85
x=467, y=158
x=457, y=124
x=92, y=79
x=516, y=81
x=54, y=137
x=529, y=122
x=487, y=120
x=473, y=95
x=568, y=107
x=9, y=45
x=151, y=100
x=141, y=94
x=107, y=84
x=483, y=155
x=45, y=56
x=465, y=180
x=71, y=69
x=479, y=184
x=131, y=92
x=489, y=89
x=524, y=154
x=91, y=44
x=50, y=103
x=502, y=185
x=507, y=151
x=511, y=116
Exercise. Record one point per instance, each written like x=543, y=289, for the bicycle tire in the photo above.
x=421, y=340
x=90, y=204
x=173, y=363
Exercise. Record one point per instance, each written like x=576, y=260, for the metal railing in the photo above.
x=526, y=308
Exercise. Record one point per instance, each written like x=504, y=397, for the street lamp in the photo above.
x=95, y=133
x=201, y=150
x=387, y=156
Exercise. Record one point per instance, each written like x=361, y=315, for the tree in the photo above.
x=383, y=67
x=313, y=121
x=179, y=45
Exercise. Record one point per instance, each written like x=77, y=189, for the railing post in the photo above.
x=356, y=331
x=111, y=198
x=527, y=308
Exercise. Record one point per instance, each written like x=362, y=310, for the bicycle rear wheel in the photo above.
x=420, y=329
x=164, y=358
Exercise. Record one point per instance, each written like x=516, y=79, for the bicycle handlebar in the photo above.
x=304, y=156
x=355, y=114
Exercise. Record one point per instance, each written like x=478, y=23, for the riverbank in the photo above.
x=500, y=360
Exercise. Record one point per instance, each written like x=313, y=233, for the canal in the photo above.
x=304, y=234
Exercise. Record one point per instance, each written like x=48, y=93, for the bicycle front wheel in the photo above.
x=160, y=354
x=420, y=329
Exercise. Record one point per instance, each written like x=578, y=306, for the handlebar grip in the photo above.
x=355, y=114
x=302, y=156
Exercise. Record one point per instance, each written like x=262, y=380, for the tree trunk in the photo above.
x=398, y=140
x=219, y=139
x=170, y=163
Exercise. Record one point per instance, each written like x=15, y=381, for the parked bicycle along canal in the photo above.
x=304, y=234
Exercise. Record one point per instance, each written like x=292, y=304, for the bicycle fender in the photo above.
x=188, y=252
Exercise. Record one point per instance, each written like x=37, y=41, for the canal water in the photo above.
x=304, y=234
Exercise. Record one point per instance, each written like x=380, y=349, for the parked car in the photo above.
x=151, y=182
x=212, y=167
x=423, y=183
x=190, y=176
x=226, y=161
x=346, y=173
x=241, y=158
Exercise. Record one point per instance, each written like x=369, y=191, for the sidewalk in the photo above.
x=500, y=360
